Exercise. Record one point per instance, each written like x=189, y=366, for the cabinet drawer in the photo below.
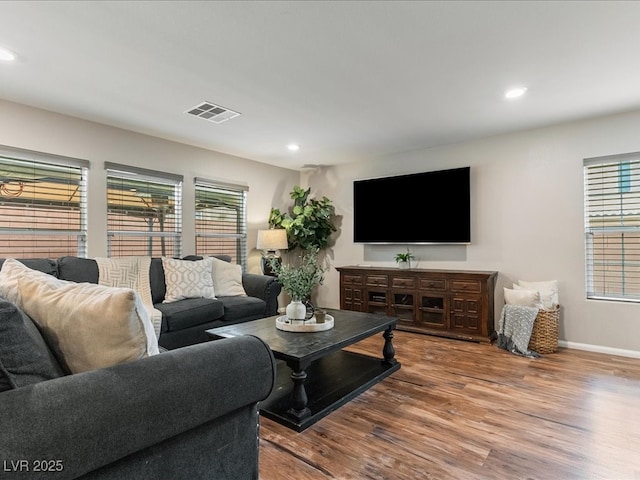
x=403, y=282
x=432, y=284
x=377, y=280
x=465, y=286
x=352, y=279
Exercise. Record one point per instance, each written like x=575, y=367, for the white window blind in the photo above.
x=144, y=212
x=43, y=205
x=612, y=227
x=221, y=220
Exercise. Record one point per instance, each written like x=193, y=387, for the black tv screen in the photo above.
x=427, y=207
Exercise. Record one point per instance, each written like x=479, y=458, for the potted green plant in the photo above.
x=298, y=281
x=404, y=259
x=309, y=223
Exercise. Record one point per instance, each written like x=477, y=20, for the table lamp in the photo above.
x=270, y=242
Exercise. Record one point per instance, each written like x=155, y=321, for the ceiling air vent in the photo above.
x=213, y=113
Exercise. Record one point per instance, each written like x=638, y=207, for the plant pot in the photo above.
x=404, y=265
x=296, y=310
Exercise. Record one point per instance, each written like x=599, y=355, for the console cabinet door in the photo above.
x=432, y=311
x=377, y=300
x=377, y=293
x=403, y=299
x=465, y=313
x=352, y=293
x=433, y=307
x=352, y=299
x=403, y=306
x=466, y=305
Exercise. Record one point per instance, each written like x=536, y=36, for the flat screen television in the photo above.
x=427, y=207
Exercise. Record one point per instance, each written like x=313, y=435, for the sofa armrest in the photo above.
x=88, y=420
x=264, y=287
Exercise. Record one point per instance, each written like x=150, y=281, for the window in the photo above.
x=221, y=220
x=612, y=227
x=43, y=205
x=144, y=212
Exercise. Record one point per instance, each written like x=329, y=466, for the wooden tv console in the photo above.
x=449, y=303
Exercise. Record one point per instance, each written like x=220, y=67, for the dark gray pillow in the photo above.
x=25, y=358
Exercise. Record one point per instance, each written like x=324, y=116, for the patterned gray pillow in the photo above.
x=25, y=358
x=187, y=279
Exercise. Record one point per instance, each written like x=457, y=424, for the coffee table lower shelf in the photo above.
x=332, y=381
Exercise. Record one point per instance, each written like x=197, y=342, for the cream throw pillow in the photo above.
x=9, y=289
x=525, y=298
x=227, y=278
x=133, y=273
x=187, y=279
x=88, y=326
x=548, y=291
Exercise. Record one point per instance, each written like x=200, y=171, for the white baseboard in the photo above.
x=600, y=349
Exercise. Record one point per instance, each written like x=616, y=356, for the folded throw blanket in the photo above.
x=133, y=273
x=514, y=332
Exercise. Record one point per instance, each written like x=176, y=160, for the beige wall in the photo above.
x=527, y=219
x=527, y=197
x=34, y=129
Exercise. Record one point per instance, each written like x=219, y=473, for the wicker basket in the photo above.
x=544, y=336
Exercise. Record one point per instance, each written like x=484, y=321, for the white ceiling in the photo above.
x=348, y=81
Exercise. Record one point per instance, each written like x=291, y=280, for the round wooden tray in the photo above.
x=283, y=323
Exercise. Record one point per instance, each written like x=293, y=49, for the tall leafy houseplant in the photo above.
x=309, y=223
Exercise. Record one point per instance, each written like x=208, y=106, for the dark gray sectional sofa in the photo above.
x=189, y=413
x=183, y=322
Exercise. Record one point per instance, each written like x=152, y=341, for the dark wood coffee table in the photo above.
x=315, y=376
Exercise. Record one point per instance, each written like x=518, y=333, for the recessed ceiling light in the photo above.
x=294, y=147
x=6, y=55
x=515, y=92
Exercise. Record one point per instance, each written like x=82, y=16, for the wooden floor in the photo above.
x=459, y=410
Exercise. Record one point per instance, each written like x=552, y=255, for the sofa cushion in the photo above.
x=25, y=358
x=242, y=308
x=227, y=278
x=186, y=279
x=41, y=264
x=189, y=312
x=88, y=326
x=76, y=269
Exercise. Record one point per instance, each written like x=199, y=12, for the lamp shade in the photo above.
x=273, y=239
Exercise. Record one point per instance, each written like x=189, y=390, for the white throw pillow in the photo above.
x=548, y=291
x=88, y=326
x=526, y=298
x=227, y=278
x=130, y=272
x=187, y=279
